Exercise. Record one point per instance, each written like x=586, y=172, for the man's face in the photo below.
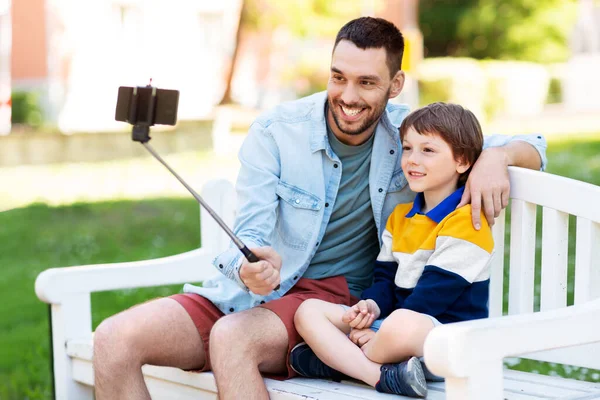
x=358, y=90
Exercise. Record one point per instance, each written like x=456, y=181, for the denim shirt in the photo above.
x=288, y=172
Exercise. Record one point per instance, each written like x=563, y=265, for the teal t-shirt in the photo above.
x=349, y=246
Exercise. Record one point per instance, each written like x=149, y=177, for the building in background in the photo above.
x=5, y=84
x=75, y=54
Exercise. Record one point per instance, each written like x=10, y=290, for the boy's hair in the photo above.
x=456, y=125
x=375, y=33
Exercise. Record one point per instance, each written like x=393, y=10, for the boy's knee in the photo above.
x=306, y=310
x=401, y=321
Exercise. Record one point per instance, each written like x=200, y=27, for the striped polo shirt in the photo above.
x=434, y=263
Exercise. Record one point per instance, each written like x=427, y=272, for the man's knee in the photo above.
x=251, y=333
x=229, y=332
x=115, y=342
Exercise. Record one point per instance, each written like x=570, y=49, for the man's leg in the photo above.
x=244, y=344
x=159, y=332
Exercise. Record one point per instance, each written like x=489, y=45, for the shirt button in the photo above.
x=221, y=266
x=262, y=302
x=297, y=201
x=380, y=190
x=231, y=309
x=317, y=244
x=335, y=165
x=296, y=277
x=392, y=151
x=326, y=204
x=539, y=137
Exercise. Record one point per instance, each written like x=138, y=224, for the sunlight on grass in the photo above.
x=121, y=179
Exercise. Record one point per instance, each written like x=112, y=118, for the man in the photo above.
x=318, y=180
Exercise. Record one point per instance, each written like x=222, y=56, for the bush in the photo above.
x=26, y=108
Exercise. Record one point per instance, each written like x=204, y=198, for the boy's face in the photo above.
x=429, y=165
x=358, y=90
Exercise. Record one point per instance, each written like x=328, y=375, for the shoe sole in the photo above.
x=419, y=385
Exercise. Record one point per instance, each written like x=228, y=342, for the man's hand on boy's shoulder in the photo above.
x=262, y=277
x=362, y=314
x=488, y=186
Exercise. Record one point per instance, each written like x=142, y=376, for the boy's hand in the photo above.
x=263, y=276
x=362, y=314
x=360, y=337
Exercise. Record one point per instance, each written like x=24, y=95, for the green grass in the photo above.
x=39, y=236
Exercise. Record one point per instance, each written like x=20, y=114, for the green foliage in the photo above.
x=303, y=18
x=531, y=30
x=431, y=91
x=26, y=108
x=555, y=94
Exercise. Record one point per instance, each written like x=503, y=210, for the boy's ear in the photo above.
x=462, y=166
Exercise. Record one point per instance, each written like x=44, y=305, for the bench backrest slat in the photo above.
x=522, y=257
x=497, y=272
x=587, y=261
x=555, y=247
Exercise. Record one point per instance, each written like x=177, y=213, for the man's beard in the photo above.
x=367, y=123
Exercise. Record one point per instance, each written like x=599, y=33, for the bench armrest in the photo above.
x=52, y=285
x=458, y=350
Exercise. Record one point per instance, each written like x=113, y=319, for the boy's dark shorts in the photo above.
x=205, y=314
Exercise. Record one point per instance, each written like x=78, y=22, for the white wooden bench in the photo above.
x=470, y=355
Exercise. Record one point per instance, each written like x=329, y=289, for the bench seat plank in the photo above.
x=164, y=382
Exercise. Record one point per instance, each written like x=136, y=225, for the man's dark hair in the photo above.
x=456, y=125
x=375, y=33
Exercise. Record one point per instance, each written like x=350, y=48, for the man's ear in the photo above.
x=397, y=84
x=462, y=166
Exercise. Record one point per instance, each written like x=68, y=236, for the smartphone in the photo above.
x=147, y=105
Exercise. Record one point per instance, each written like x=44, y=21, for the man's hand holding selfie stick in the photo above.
x=144, y=106
x=262, y=277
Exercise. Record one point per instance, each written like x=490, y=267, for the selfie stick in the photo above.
x=250, y=256
x=134, y=98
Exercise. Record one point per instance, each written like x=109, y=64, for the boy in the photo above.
x=433, y=267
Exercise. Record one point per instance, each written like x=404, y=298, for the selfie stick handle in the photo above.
x=250, y=256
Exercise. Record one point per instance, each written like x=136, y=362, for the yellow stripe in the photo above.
x=459, y=225
x=420, y=232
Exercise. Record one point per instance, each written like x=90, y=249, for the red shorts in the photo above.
x=205, y=314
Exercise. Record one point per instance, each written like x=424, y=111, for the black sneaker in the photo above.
x=429, y=376
x=306, y=363
x=406, y=378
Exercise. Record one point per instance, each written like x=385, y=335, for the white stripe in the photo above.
x=461, y=257
x=410, y=267
x=386, y=247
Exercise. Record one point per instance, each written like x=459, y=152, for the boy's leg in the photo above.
x=401, y=336
x=320, y=324
x=158, y=332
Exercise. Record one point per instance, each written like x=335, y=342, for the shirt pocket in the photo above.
x=298, y=215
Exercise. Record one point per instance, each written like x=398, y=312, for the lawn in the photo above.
x=40, y=236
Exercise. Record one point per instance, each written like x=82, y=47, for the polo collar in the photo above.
x=439, y=212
